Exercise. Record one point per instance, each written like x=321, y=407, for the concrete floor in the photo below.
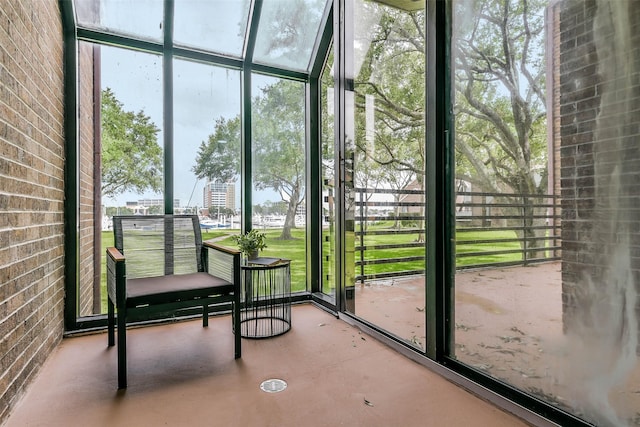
x=184, y=375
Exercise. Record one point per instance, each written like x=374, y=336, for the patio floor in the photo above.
x=509, y=324
x=181, y=374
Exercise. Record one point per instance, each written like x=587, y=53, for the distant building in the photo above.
x=218, y=194
x=302, y=209
x=141, y=207
x=152, y=202
x=157, y=202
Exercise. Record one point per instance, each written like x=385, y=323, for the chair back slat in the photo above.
x=157, y=245
x=222, y=264
x=187, y=245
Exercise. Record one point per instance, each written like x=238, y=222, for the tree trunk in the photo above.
x=290, y=219
x=529, y=234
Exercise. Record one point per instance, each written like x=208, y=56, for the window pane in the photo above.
x=547, y=225
x=387, y=200
x=278, y=171
x=130, y=140
x=329, y=180
x=217, y=26
x=141, y=18
x=206, y=156
x=287, y=32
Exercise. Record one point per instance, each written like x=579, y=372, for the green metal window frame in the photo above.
x=74, y=35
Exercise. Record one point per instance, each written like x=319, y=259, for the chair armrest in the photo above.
x=222, y=262
x=115, y=254
x=115, y=275
x=225, y=249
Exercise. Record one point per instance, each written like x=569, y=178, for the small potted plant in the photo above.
x=251, y=242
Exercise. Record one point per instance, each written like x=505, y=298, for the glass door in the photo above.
x=384, y=161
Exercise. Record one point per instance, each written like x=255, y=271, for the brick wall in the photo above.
x=577, y=187
x=600, y=153
x=31, y=191
x=87, y=169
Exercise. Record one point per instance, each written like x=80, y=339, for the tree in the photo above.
x=499, y=99
x=218, y=158
x=500, y=102
x=396, y=94
x=390, y=96
x=279, y=148
x=131, y=156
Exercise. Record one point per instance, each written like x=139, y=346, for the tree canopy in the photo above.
x=131, y=156
x=279, y=153
x=499, y=98
x=218, y=157
x=277, y=146
x=500, y=95
x=391, y=80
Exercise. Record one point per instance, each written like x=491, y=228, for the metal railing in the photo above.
x=492, y=230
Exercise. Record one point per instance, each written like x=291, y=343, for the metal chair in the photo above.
x=160, y=265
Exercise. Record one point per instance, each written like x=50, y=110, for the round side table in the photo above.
x=266, y=298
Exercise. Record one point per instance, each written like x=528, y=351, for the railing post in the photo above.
x=362, y=229
x=525, y=246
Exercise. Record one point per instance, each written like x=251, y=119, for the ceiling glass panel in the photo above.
x=141, y=18
x=287, y=32
x=217, y=26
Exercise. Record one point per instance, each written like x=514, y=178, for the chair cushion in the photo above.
x=176, y=287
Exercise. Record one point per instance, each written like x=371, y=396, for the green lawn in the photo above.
x=295, y=250
x=287, y=249
x=462, y=248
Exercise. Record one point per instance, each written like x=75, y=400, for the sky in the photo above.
x=202, y=94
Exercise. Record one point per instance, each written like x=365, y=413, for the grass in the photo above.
x=295, y=250
x=478, y=248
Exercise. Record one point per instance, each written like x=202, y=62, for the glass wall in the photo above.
x=203, y=146
x=386, y=59
x=121, y=118
x=206, y=158
x=279, y=172
x=546, y=155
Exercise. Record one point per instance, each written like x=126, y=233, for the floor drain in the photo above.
x=273, y=385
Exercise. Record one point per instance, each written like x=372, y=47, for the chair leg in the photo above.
x=205, y=315
x=111, y=323
x=236, y=326
x=122, y=349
